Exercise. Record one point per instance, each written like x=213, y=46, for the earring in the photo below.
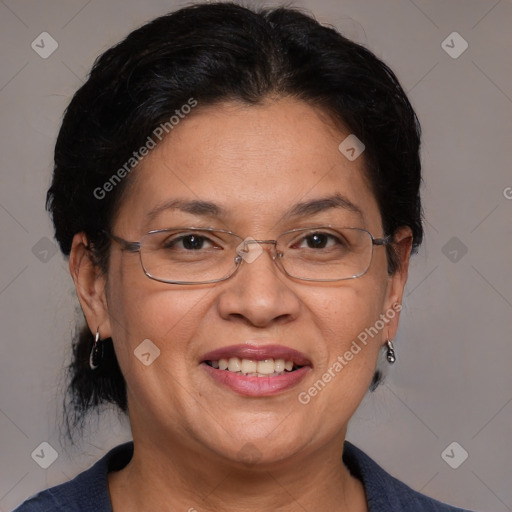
x=96, y=355
x=390, y=356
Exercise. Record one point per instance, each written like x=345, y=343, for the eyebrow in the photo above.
x=320, y=205
x=303, y=209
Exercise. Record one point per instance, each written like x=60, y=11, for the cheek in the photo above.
x=346, y=362
x=350, y=308
x=169, y=319
x=143, y=309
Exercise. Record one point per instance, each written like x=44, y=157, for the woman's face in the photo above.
x=256, y=164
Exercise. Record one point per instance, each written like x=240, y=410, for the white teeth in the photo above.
x=279, y=365
x=253, y=368
x=266, y=367
x=248, y=366
x=234, y=364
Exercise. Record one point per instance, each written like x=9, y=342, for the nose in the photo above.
x=259, y=294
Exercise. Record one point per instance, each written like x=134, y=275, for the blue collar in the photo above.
x=88, y=492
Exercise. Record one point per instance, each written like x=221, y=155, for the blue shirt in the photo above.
x=88, y=492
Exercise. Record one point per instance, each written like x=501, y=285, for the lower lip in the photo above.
x=257, y=386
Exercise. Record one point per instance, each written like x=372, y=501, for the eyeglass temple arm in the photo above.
x=125, y=244
x=381, y=241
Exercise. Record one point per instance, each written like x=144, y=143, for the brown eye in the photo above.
x=192, y=242
x=318, y=240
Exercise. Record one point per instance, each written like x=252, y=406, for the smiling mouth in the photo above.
x=252, y=368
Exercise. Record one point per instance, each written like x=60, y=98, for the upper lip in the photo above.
x=258, y=353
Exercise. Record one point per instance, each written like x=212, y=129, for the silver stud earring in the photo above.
x=390, y=356
x=96, y=355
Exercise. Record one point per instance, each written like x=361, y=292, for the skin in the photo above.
x=256, y=162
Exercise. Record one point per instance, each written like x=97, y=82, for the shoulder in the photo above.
x=383, y=491
x=86, y=492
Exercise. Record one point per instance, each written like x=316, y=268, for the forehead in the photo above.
x=254, y=166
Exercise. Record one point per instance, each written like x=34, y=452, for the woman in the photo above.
x=238, y=194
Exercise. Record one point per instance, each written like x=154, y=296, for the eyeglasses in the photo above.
x=189, y=255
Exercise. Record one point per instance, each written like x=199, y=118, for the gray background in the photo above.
x=452, y=380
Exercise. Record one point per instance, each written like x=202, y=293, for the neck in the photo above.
x=168, y=476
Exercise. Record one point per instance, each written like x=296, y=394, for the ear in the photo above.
x=90, y=285
x=402, y=242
